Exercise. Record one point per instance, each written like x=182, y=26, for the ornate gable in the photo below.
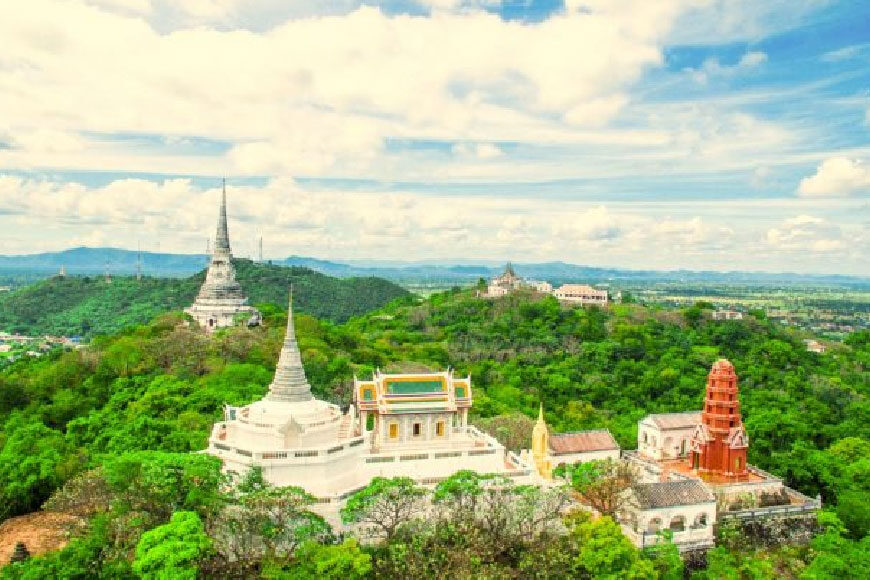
x=737, y=438
x=700, y=436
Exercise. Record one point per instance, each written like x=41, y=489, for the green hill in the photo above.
x=88, y=305
x=159, y=387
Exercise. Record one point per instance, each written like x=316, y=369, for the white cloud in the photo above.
x=315, y=95
x=845, y=53
x=39, y=214
x=481, y=151
x=752, y=58
x=723, y=21
x=712, y=68
x=837, y=176
x=806, y=232
x=760, y=176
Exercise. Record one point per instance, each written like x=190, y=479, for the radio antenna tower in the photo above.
x=138, y=261
x=108, y=275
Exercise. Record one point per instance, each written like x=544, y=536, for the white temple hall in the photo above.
x=413, y=425
x=221, y=299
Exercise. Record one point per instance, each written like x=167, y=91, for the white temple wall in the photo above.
x=697, y=524
x=663, y=444
x=401, y=430
x=432, y=463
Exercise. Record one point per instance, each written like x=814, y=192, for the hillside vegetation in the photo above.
x=129, y=404
x=87, y=306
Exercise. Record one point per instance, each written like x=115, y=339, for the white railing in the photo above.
x=407, y=455
x=291, y=455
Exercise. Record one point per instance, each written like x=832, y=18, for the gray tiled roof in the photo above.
x=671, y=493
x=685, y=420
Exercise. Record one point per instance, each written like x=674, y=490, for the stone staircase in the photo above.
x=344, y=428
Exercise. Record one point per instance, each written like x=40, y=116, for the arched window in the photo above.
x=645, y=438
x=654, y=525
x=738, y=463
x=700, y=521
x=678, y=524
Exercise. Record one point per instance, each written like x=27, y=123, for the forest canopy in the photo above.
x=156, y=389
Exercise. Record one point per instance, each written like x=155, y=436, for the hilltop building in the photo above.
x=685, y=507
x=504, y=283
x=581, y=294
x=815, y=346
x=221, y=298
x=666, y=435
x=508, y=281
x=413, y=425
x=693, y=472
x=727, y=315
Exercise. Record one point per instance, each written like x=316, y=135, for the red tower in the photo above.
x=719, y=443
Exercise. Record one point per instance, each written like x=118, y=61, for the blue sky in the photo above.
x=708, y=134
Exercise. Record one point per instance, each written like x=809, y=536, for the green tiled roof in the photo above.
x=413, y=387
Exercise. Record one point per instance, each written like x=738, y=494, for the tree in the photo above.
x=268, y=522
x=384, y=504
x=601, y=483
x=33, y=461
x=84, y=495
x=161, y=483
x=603, y=551
x=461, y=493
x=834, y=556
x=173, y=551
x=666, y=557
x=314, y=561
x=513, y=430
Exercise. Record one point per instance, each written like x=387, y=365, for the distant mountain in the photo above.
x=94, y=261
x=88, y=305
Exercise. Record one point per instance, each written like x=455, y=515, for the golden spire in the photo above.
x=541, y=446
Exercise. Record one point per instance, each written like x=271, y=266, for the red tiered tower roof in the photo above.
x=719, y=443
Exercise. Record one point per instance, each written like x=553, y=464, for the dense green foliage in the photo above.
x=172, y=550
x=133, y=404
x=83, y=305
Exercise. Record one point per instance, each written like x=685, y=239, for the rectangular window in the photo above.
x=439, y=429
x=394, y=430
x=418, y=428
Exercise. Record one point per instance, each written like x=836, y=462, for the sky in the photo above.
x=697, y=134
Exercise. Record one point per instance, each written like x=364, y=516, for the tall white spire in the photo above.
x=222, y=238
x=290, y=383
